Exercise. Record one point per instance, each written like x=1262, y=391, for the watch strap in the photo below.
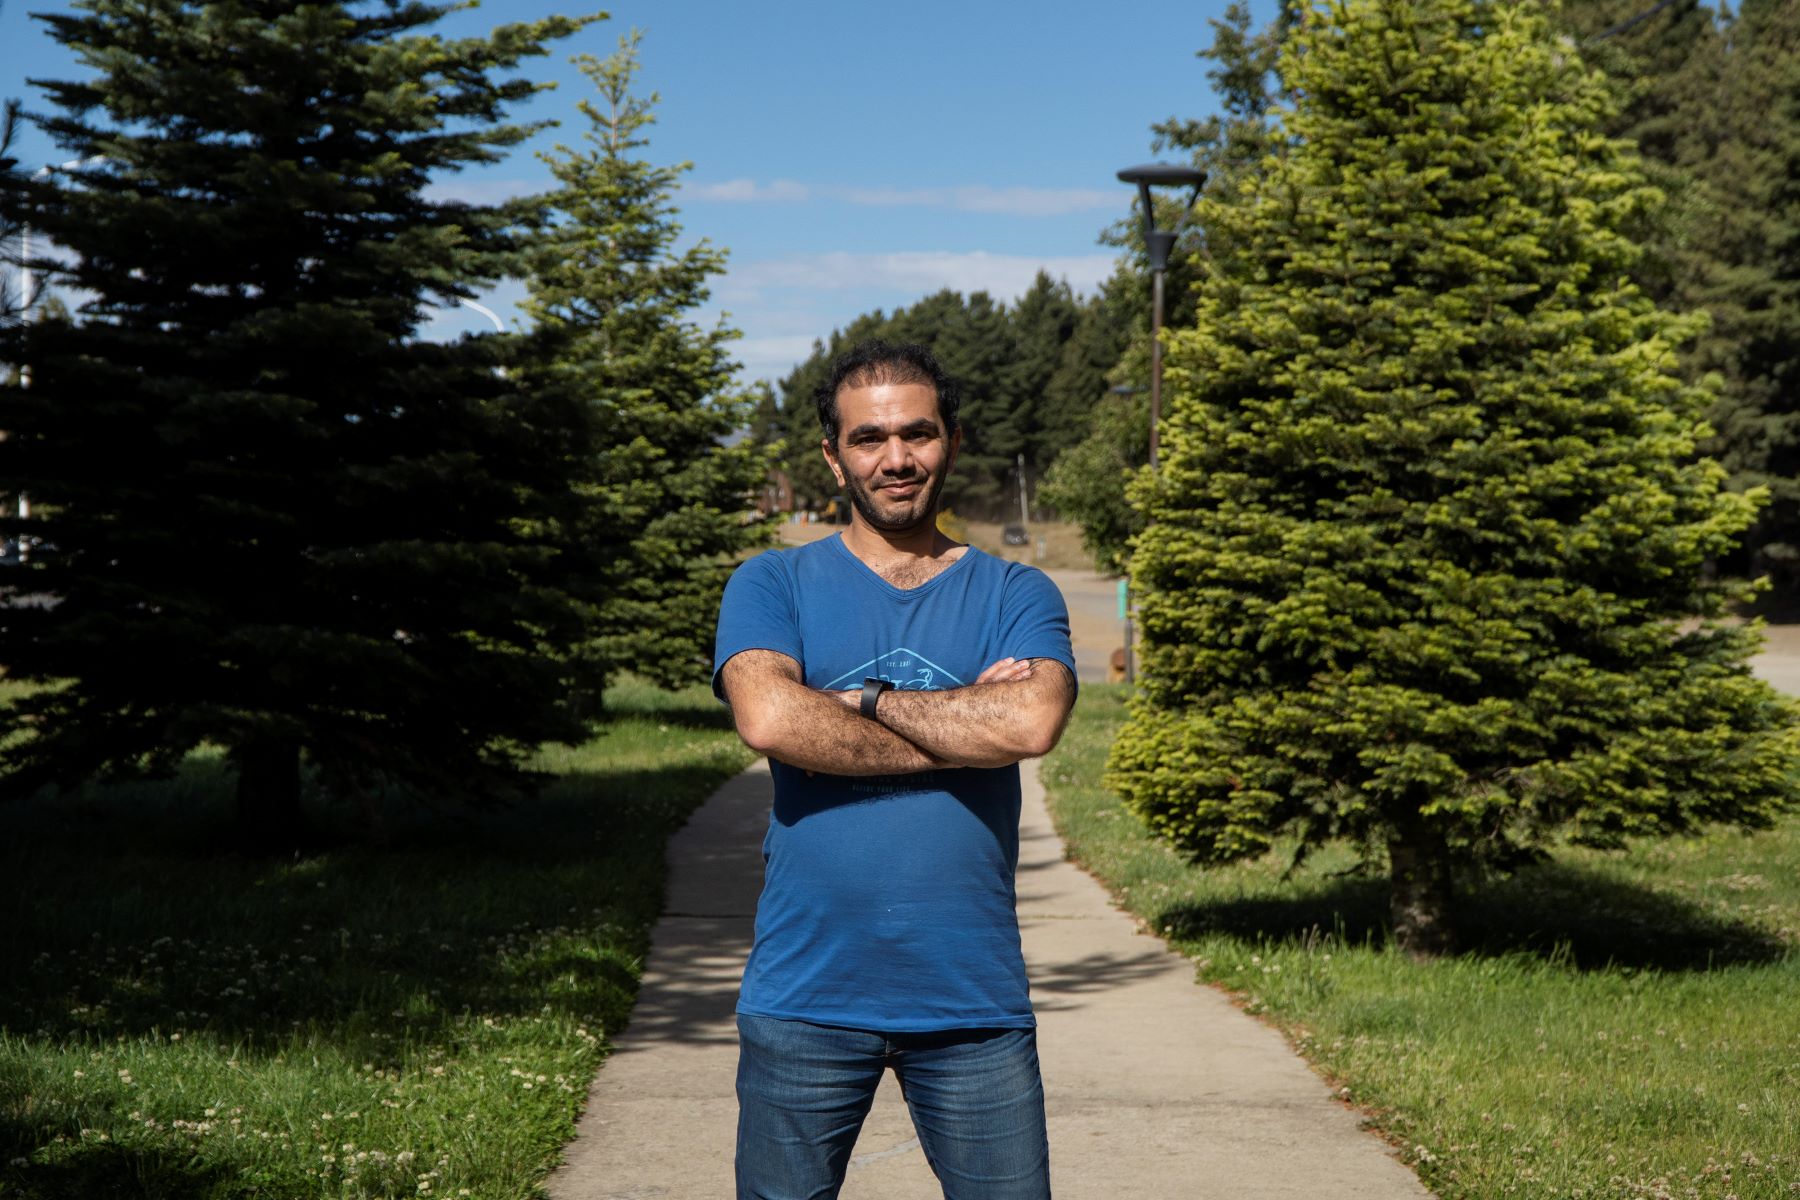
x=872, y=689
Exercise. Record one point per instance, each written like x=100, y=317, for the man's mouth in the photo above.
x=901, y=489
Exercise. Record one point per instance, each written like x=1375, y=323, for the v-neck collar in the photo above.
x=874, y=576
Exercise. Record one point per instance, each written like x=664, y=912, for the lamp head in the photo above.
x=1159, y=242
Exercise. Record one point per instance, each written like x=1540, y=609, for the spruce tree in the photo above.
x=613, y=302
x=1110, y=431
x=1738, y=257
x=12, y=300
x=1082, y=376
x=1426, y=561
x=275, y=521
x=1042, y=322
x=1088, y=483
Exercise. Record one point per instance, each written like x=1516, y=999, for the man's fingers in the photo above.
x=1007, y=670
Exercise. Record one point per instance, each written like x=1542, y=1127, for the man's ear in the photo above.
x=831, y=459
x=955, y=445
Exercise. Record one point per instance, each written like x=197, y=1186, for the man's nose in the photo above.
x=896, y=456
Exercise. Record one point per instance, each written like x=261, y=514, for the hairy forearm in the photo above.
x=812, y=730
x=982, y=725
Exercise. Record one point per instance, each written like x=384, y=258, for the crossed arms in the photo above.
x=1015, y=709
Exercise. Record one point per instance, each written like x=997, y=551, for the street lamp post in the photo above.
x=1158, y=243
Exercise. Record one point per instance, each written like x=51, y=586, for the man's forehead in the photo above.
x=888, y=406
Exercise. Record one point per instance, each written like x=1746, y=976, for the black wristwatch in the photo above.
x=872, y=689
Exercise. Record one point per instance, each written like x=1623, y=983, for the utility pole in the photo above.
x=1024, y=516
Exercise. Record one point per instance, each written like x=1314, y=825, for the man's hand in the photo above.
x=1007, y=670
x=1015, y=709
x=778, y=715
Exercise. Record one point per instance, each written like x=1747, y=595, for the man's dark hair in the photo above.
x=874, y=363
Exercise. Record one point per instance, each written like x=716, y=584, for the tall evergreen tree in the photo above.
x=614, y=301
x=1708, y=97
x=280, y=523
x=1086, y=482
x=1649, y=53
x=1426, y=561
x=1042, y=322
x=1089, y=483
x=1739, y=258
x=12, y=299
x=1083, y=374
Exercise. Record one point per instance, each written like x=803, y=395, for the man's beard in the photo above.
x=924, y=513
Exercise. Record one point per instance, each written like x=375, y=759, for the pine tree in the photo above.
x=12, y=301
x=1426, y=561
x=1110, y=430
x=274, y=520
x=613, y=302
x=1082, y=376
x=1648, y=52
x=1088, y=483
x=1738, y=257
x=1042, y=322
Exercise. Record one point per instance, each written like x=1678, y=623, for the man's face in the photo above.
x=893, y=453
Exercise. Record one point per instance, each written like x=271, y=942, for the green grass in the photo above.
x=1618, y=1024
x=179, y=1021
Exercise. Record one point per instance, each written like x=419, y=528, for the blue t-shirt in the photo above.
x=888, y=900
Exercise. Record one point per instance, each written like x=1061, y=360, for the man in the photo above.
x=894, y=678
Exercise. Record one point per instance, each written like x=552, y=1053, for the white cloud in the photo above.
x=1011, y=201
x=1004, y=276
x=975, y=198
x=481, y=191
x=743, y=191
x=770, y=357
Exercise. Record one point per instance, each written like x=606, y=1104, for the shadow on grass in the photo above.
x=1582, y=918
x=90, y=1169
x=154, y=923
x=129, y=915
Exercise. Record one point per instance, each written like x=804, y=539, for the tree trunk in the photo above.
x=1419, y=904
x=268, y=796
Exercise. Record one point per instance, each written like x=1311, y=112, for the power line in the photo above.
x=1632, y=22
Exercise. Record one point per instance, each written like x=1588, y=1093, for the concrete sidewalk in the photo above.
x=1157, y=1087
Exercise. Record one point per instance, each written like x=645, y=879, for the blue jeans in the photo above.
x=803, y=1090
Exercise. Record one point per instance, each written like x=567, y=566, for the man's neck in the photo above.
x=878, y=547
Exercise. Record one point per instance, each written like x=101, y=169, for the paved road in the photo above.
x=1157, y=1088
x=1094, y=624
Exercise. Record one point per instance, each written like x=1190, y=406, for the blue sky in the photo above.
x=849, y=156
